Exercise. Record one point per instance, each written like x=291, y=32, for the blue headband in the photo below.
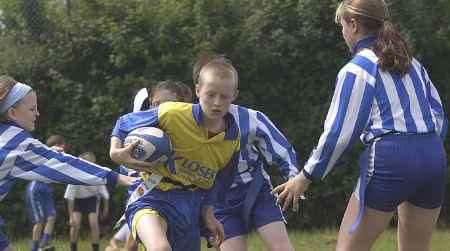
x=18, y=91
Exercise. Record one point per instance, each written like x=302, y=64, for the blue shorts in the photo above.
x=181, y=211
x=40, y=204
x=264, y=211
x=402, y=168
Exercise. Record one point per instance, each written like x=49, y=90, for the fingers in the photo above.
x=217, y=236
x=295, y=203
x=129, y=147
x=287, y=201
x=141, y=163
x=278, y=189
x=221, y=234
x=57, y=148
x=281, y=197
x=126, y=180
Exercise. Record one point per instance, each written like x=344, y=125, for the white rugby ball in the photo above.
x=154, y=144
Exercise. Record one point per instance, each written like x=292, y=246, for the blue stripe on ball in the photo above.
x=161, y=144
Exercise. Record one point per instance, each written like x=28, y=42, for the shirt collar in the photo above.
x=364, y=43
x=9, y=123
x=231, y=131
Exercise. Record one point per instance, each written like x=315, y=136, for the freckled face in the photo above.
x=215, y=95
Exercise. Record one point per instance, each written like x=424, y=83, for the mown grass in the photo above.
x=318, y=240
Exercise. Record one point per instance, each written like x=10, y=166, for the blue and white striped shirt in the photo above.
x=369, y=103
x=259, y=136
x=24, y=157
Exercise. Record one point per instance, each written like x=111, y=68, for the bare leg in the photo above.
x=237, y=243
x=37, y=231
x=373, y=223
x=152, y=230
x=50, y=225
x=95, y=228
x=275, y=236
x=75, y=227
x=415, y=227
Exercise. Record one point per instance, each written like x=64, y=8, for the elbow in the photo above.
x=114, y=155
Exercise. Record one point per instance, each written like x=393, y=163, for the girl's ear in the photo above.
x=197, y=90
x=11, y=114
x=236, y=94
x=354, y=25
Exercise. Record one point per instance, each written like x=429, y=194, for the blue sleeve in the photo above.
x=346, y=119
x=222, y=182
x=274, y=146
x=131, y=121
x=437, y=109
x=38, y=162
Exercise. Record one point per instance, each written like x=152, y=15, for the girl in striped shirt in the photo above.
x=385, y=97
x=22, y=156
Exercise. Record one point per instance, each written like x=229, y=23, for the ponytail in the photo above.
x=6, y=84
x=374, y=17
x=392, y=49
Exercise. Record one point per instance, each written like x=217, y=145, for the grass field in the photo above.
x=320, y=240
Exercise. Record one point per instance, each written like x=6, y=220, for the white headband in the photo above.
x=16, y=93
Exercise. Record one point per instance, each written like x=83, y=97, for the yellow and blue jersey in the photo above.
x=201, y=160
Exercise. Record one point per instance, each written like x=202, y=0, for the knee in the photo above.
x=94, y=225
x=281, y=247
x=39, y=225
x=75, y=225
x=160, y=247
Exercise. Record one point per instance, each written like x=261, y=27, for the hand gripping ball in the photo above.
x=154, y=145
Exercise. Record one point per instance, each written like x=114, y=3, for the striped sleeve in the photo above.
x=26, y=158
x=274, y=146
x=38, y=162
x=436, y=106
x=346, y=119
x=131, y=121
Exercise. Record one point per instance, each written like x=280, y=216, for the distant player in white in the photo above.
x=85, y=200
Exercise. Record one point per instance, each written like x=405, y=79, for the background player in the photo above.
x=85, y=200
x=40, y=203
x=249, y=204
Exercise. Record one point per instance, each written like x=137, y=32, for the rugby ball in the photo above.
x=154, y=144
